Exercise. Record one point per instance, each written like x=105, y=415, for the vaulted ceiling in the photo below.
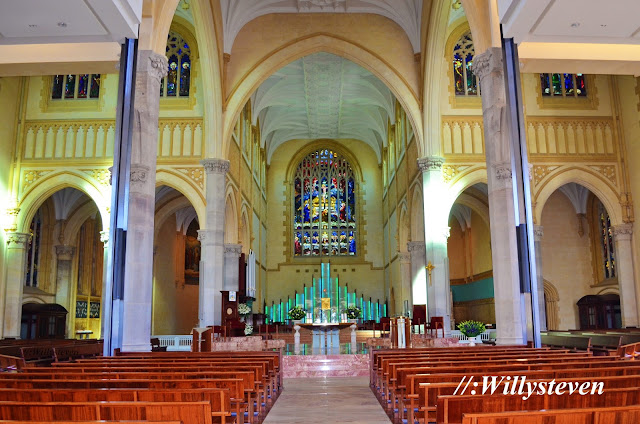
x=236, y=14
x=322, y=96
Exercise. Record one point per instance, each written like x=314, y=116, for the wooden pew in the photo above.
x=187, y=412
x=567, y=342
x=608, y=415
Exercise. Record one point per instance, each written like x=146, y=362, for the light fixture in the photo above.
x=62, y=24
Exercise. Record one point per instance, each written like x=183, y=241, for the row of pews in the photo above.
x=600, y=342
x=18, y=354
x=435, y=385
x=187, y=387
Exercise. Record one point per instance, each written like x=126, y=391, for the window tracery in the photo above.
x=465, y=81
x=324, y=206
x=606, y=242
x=177, y=83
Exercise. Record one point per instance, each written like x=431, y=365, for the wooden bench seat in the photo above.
x=608, y=415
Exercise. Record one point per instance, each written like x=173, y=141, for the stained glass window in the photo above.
x=606, y=243
x=71, y=87
x=565, y=85
x=465, y=81
x=324, y=206
x=177, y=83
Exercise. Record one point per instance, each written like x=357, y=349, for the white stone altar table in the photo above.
x=326, y=336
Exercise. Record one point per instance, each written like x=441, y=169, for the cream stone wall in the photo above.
x=566, y=257
x=285, y=273
x=481, y=245
x=456, y=251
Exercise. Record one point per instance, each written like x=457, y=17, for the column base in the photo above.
x=509, y=341
x=146, y=347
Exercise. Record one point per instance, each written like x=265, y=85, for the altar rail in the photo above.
x=458, y=335
x=175, y=342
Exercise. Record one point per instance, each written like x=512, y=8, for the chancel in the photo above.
x=229, y=210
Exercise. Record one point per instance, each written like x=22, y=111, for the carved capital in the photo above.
x=416, y=246
x=152, y=63
x=488, y=62
x=404, y=257
x=232, y=249
x=622, y=232
x=538, y=232
x=502, y=171
x=139, y=174
x=430, y=163
x=64, y=252
x=17, y=240
x=215, y=166
x=12, y=219
x=202, y=235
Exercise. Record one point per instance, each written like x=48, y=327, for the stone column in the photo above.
x=537, y=237
x=418, y=273
x=405, y=281
x=15, y=272
x=104, y=238
x=212, y=242
x=231, y=266
x=436, y=230
x=138, y=274
x=624, y=259
x=64, y=288
x=509, y=302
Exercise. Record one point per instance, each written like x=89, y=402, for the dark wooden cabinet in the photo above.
x=43, y=321
x=599, y=312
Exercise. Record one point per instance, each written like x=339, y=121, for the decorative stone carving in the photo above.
x=32, y=176
x=503, y=171
x=608, y=171
x=430, y=163
x=12, y=219
x=139, y=174
x=215, y=166
x=627, y=207
x=404, y=257
x=202, y=235
x=103, y=176
x=65, y=253
x=195, y=174
x=17, y=240
x=538, y=232
x=416, y=246
x=449, y=172
x=622, y=231
x=487, y=63
x=541, y=171
x=232, y=249
x=156, y=65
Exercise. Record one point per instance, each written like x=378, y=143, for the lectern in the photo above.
x=400, y=332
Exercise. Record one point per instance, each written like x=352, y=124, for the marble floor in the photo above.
x=327, y=401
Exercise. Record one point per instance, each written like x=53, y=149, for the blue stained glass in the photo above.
x=544, y=84
x=83, y=82
x=70, y=87
x=185, y=76
x=568, y=84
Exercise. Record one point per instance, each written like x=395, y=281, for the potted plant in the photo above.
x=297, y=313
x=243, y=309
x=353, y=313
x=471, y=329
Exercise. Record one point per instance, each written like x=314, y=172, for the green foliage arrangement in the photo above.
x=353, y=312
x=471, y=328
x=297, y=312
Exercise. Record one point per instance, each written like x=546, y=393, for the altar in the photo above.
x=326, y=336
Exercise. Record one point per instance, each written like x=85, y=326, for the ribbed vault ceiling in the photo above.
x=322, y=96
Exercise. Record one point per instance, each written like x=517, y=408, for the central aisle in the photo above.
x=327, y=401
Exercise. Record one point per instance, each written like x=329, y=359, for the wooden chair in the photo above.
x=155, y=345
x=434, y=324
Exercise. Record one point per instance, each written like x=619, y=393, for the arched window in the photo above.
x=33, y=251
x=178, y=80
x=465, y=81
x=324, y=206
x=563, y=85
x=606, y=242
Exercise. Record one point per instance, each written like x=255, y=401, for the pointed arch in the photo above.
x=187, y=187
x=231, y=217
x=323, y=43
x=417, y=214
x=551, y=299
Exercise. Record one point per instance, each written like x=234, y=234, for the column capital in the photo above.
x=17, y=240
x=215, y=166
x=152, y=63
x=232, y=249
x=138, y=175
x=202, y=235
x=622, y=231
x=430, y=163
x=12, y=221
x=416, y=246
x=404, y=257
x=65, y=252
x=488, y=62
x=538, y=232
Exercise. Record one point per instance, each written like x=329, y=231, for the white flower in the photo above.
x=248, y=329
x=243, y=309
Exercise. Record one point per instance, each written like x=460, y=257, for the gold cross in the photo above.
x=430, y=268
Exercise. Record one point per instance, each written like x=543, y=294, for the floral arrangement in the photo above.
x=297, y=312
x=353, y=312
x=248, y=329
x=243, y=309
x=471, y=328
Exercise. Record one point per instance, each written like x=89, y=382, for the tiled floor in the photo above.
x=327, y=401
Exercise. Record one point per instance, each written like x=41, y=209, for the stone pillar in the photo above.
x=15, y=272
x=509, y=302
x=212, y=242
x=64, y=289
x=405, y=280
x=624, y=259
x=231, y=266
x=436, y=230
x=418, y=273
x=138, y=274
x=537, y=237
